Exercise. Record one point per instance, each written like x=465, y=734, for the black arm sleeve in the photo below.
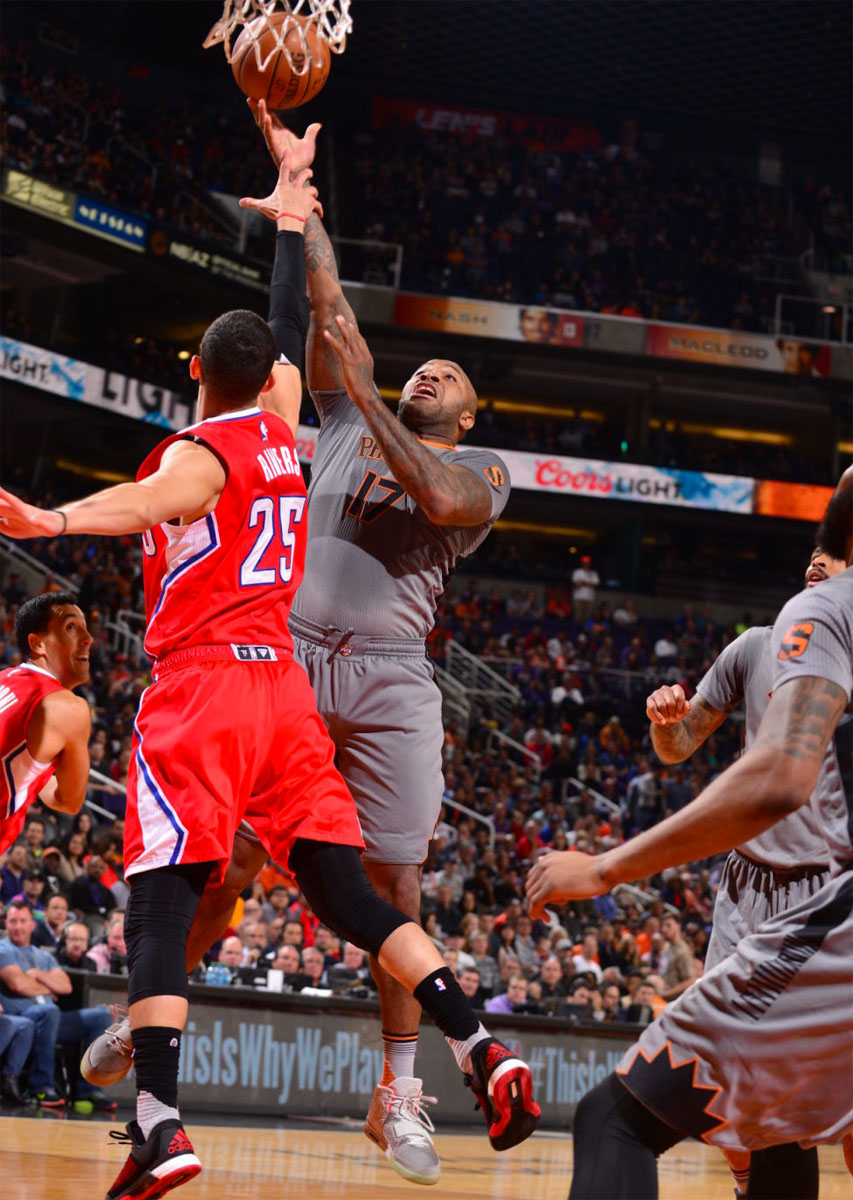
x=289, y=310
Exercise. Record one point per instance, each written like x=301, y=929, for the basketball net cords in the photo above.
x=330, y=18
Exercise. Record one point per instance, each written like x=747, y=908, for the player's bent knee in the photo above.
x=162, y=906
x=337, y=888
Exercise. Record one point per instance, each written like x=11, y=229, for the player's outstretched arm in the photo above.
x=290, y=204
x=775, y=777
x=448, y=494
x=325, y=294
x=188, y=484
x=678, y=726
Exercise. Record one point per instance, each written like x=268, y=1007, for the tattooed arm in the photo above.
x=448, y=494
x=325, y=294
x=678, y=726
x=775, y=776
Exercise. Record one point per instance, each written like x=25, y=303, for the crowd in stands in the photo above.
x=569, y=767
x=612, y=228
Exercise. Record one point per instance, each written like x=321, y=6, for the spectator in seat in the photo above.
x=514, y=996
x=231, y=952
x=611, y=1003
x=31, y=892
x=12, y=873
x=469, y=981
x=72, y=951
x=48, y=933
x=110, y=955
x=34, y=835
x=487, y=966
x=32, y=984
x=551, y=980
x=314, y=966
x=88, y=896
x=679, y=972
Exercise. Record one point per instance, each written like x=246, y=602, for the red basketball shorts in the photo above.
x=217, y=740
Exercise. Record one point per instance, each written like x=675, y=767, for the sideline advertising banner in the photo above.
x=598, y=480
x=485, y=318
x=75, y=380
x=629, y=481
x=250, y=1051
x=728, y=348
x=561, y=134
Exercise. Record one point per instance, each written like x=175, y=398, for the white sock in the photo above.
x=399, y=1052
x=462, y=1050
x=150, y=1112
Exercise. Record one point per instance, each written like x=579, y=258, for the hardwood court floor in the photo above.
x=75, y=1160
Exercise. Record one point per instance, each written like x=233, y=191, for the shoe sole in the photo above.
x=150, y=1185
x=51, y=1103
x=411, y=1176
x=100, y=1078
x=511, y=1096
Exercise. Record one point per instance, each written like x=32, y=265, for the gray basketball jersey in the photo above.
x=813, y=635
x=375, y=563
x=744, y=672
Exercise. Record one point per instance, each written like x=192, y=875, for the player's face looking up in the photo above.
x=64, y=646
x=822, y=566
x=438, y=401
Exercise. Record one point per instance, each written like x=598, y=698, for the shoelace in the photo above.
x=414, y=1107
x=121, y=1136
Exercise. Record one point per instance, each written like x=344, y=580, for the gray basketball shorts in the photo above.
x=382, y=706
x=757, y=1052
x=750, y=893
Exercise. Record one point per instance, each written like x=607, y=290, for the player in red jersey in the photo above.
x=44, y=727
x=229, y=727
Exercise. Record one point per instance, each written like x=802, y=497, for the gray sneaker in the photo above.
x=110, y=1056
x=398, y=1123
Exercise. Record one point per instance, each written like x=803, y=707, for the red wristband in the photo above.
x=295, y=216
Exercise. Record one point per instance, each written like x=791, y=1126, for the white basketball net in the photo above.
x=330, y=19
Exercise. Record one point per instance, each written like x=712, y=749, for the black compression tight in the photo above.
x=616, y=1142
x=159, y=915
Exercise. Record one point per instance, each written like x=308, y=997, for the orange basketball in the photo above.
x=279, y=84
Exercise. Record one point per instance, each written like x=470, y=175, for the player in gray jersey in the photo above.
x=394, y=505
x=786, y=863
x=757, y=1052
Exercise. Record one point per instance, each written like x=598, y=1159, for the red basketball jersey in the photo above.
x=230, y=577
x=22, y=689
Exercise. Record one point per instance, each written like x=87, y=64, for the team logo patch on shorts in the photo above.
x=795, y=640
x=254, y=653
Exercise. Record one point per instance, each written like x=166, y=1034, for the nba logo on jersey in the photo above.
x=440, y=985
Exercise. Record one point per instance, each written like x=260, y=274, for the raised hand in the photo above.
x=279, y=138
x=292, y=194
x=20, y=520
x=355, y=356
x=667, y=705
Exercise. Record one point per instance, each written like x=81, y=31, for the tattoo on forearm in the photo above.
x=463, y=497
x=675, y=743
x=801, y=718
x=319, y=254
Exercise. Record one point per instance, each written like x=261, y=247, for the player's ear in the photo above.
x=195, y=367
x=466, y=420
x=269, y=385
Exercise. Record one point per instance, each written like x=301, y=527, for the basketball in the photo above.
x=279, y=84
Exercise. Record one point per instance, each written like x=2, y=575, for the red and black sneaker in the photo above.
x=504, y=1089
x=163, y=1161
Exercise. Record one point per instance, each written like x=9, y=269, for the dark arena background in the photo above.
x=631, y=224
